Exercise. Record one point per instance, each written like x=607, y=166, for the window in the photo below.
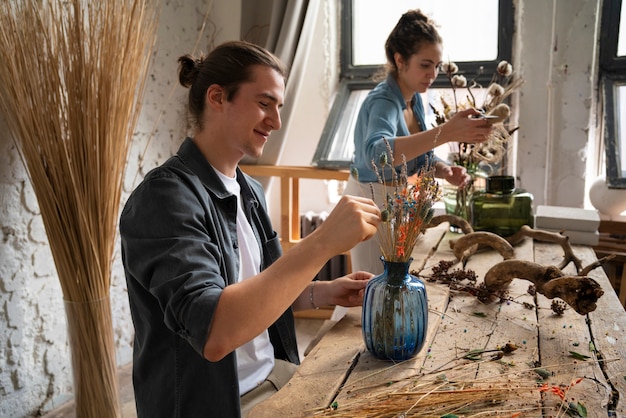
x=474, y=37
x=613, y=80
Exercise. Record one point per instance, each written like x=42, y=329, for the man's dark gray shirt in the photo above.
x=179, y=250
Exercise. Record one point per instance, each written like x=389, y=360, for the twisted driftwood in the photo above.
x=546, y=236
x=580, y=292
x=473, y=239
x=452, y=220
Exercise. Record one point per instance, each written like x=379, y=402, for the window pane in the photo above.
x=342, y=142
x=620, y=141
x=621, y=41
x=469, y=31
x=342, y=150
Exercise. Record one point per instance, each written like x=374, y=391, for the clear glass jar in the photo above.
x=501, y=208
x=457, y=199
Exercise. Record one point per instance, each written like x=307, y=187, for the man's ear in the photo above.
x=215, y=95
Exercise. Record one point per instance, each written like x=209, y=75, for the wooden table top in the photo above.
x=512, y=359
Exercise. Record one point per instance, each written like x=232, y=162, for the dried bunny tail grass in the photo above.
x=72, y=75
x=502, y=111
x=511, y=87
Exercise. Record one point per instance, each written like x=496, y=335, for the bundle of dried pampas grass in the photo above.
x=72, y=75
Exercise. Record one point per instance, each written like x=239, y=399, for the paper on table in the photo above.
x=338, y=313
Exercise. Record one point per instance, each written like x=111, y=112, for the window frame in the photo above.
x=612, y=76
x=354, y=77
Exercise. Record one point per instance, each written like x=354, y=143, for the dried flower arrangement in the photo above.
x=71, y=82
x=406, y=207
x=503, y=84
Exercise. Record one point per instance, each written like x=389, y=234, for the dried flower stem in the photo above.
x=431, y=394
x=406, y=208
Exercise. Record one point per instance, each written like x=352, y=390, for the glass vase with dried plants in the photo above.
x=488, y=157
x=395, y=305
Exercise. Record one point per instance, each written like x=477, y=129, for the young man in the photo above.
x=210, y=294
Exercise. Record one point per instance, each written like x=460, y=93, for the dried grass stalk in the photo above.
x=457, y=392
x=96, y=391
x=434, y=399
x=72, y=74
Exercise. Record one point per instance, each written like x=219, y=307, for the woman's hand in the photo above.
x=463, y=128
x=455, y=175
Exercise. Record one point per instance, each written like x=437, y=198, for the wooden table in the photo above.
x=581, y=358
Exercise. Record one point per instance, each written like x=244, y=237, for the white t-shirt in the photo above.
x=255, y=359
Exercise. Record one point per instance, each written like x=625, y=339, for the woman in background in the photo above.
x=393, y=111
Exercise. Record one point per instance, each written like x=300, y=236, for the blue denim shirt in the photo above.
x=179, y=250
x=381, y=116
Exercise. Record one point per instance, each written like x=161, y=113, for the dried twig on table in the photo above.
x=596, y=264
x=517, y=237
x=580, y=292
x=555, y=237
x=432, y=399
x=432, y=394
x=463, y=280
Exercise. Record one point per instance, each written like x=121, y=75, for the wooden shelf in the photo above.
x=615, y=228
x=290, y=193
x=290, y=209
x=613, y=241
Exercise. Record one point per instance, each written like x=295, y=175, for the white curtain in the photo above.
x=285, y=27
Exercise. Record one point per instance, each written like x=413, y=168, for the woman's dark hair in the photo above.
x=412, y=31
x=228, y=65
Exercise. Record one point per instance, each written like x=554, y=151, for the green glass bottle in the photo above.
x=501, y=208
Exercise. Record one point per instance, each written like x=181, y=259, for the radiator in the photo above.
x=336, y=266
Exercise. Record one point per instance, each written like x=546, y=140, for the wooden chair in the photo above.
x=290, y=208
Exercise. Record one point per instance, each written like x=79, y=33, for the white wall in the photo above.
x=557, y=55
x=557, y=129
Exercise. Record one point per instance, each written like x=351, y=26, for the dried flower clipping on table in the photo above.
x=406, y=206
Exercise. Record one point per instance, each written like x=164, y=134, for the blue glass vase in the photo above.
x=395, y=313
